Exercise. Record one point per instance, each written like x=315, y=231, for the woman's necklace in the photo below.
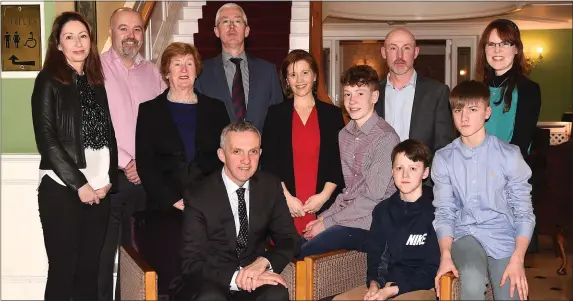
x=191, y=100
x=498, y=86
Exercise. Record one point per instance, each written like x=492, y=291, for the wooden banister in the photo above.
x=316, y=46
x=146, y=10
x=316, y=52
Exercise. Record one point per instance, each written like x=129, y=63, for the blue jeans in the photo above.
x=335, y=238
x=476, y=268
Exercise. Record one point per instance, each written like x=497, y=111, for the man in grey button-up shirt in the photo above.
x=260, y=78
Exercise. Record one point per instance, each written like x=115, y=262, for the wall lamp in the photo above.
x=538, y=60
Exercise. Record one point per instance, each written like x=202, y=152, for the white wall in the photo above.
x=300, y=26
x=24, y=261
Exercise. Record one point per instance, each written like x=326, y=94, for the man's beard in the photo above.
x=129, y=50
x=397, y=70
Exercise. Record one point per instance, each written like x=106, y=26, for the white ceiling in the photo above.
x=527, y=15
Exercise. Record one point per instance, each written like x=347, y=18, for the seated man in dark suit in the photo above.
x=230, y=76
x=226, y=222
x=416, y=107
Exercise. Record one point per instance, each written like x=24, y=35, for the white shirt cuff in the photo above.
x=233, y=285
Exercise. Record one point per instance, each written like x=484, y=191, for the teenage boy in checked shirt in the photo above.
x=366, y=143
x=484, y=217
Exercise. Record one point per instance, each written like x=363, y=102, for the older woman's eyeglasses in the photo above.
x=502, y=45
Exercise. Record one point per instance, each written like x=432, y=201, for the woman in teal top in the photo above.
x=515, y=99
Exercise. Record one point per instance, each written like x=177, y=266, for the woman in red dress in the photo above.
x=300, y=142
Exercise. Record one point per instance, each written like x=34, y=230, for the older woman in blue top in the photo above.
x=515, y=100
x=176, y=142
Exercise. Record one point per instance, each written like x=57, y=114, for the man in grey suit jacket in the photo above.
x=416, y=107
x=220, y=80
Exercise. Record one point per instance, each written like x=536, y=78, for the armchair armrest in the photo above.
x=138, y=280
x=295, y=276
x=334, y=273
x=447, y=286
x=450, y=288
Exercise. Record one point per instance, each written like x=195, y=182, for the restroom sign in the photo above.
x=21, y=37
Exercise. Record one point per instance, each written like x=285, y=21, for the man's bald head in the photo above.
x=123, y=10
x=401, y=34
x=400, y=51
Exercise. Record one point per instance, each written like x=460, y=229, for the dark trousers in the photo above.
x=74, y=233
x=128, y=199
x=335, y=238
x=209, y=291
x=161, y=244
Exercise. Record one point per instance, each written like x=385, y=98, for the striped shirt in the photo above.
x=367, y=167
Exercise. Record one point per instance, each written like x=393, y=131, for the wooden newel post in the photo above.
x=316, y=46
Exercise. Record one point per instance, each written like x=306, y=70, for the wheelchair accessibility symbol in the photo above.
x=30, y=42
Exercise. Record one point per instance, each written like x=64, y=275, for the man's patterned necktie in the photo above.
x=238, y=95
x=243, y=237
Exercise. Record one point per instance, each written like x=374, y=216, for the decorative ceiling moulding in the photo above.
x=418, y=11
x=378, y=30
x=369, y=31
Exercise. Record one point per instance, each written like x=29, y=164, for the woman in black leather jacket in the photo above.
x=76, y=141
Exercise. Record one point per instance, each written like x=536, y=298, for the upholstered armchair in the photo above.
x=337, y=272
x=139, y=281
x=333, y=273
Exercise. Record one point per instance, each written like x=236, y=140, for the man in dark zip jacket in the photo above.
x=403, y=251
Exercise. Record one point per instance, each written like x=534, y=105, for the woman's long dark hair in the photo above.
x=56, y=63
x=508, y=32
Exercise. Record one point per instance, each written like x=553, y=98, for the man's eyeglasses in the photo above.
x=235, y=22
x=503, y=45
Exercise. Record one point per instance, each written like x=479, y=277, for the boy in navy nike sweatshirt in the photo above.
x=403, y=251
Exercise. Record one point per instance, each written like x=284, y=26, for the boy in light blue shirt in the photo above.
x=484, y=217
